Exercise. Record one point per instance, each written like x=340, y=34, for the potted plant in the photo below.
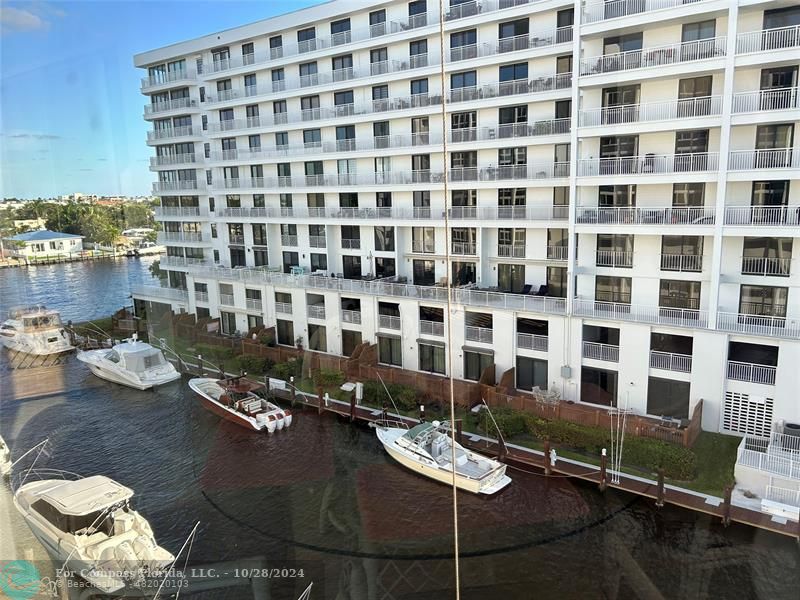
x=299, y=342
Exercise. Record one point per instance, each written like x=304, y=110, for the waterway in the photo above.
x=324, y=498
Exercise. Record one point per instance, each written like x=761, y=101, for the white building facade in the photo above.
x=623, y=200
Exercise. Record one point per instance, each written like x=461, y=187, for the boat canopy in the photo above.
x=418, y=431
x=84, y=496
x=142, y=359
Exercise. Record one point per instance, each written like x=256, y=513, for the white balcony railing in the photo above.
x=688, y=263
x=201, y=296
x=614, y=258
x=768, y=40
x=177, y=104
x=180, y=211
x=531, y=341
x=181, y=261
x=174, y=159
x=435, y=328
x=178, y=236
x=646, y=215
x=557, y=81
x=227, y=300
x=654, y=315
x=784, y=464
x=463, y=248
x=288, y=240
x=177, y=186
x=253, y=304
x=284, y=308
x=774, y=158
x=162, y=293
x=751, y=372
x=613, y=9
x=764, y=100
x=768, y=266
x=173, y=132
x=462, y=10
x=779, y=327
x=168, y=78
x=389, y=322
x=658, y=56
x=351, y=316
x=783, y=495
x=484, y=335
x=511, y=251
x=316, y=311
x=649, y=164
x=764, y=216
x=557, y=253
x=596, y=351
x=667, y=110
x=669, y=361
x=540, y=39
x=317, y=241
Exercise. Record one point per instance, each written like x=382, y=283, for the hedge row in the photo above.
x=677, y=462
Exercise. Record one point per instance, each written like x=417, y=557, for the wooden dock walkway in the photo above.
x=531, y=460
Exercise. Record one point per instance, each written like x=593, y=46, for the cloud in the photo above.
x=86, y=170
x=32, y=136
x=15, y=19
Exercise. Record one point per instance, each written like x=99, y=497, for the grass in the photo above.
x=716, y=457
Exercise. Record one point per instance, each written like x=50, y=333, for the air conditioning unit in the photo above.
x=792, y=429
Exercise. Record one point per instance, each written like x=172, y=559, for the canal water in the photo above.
x=322, y=499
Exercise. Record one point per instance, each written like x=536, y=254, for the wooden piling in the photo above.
x=459, y=430
x=200, y=364
x=726, y=506
x=603, y=466
x=321, y=401
x=660, y=490
x=352, y=407
x=547, y=466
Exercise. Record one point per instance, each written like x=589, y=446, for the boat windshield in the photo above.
x=143, y=359
x=418, y=430
x=45, y=321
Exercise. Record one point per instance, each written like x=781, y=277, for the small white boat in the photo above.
x=428, y=450
x=5, y=458
x=133, y=363
x=34, y=330
x=149, y=248
x=89, y=525
x=242, y=401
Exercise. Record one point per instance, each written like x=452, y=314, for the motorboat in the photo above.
x=427, y=449
x=133, y=362
x=242, y=401
x=88, y=525
x=148, y=249
x=34, y=330
x=5, y=458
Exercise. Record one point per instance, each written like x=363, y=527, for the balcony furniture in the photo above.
x=543, y=290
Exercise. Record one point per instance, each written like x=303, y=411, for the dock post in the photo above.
x=352, y=407
x=421, y=413
x=726, y=509
x=660, y=492
x=200, y=364
x=459, y=430
x=320, y=402
x=547, y=466
x=292, y=389
x=603, y=465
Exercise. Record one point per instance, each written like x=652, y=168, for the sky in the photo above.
x=70, y=105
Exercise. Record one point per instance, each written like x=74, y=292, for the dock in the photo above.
x=537, y=462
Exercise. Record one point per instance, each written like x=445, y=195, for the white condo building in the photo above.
x=623, y=200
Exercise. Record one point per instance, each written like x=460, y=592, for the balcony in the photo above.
x=201, y=296
x=288, y=240
x=167, y=78
x=351, y=244
x=614, y=258
x=508, y=130
x=177, y=186
x=423, y=247
x=779, y=455
x=510, y=251
x=483, y=335
x=541, y=39
x=774, y=158
x=180, y=211
x=768, y=40
x=764, y=216
x=180, y=261
x=768, y=266
x=470, y=9
x=596, y=351
x=178, y=104
x=173, y=132
x=316, y=311
x=530, y=341
x=770, y=326
x=557, y=81
x=668, y=110
x=557, y=253
x=646, y=215
x=659, y=56
x=670, y=361
x=751, y=372
x=654, y=315
x=434, y=328
x=178, y=236
x=227, y=300
x=351, y=316
x=463, y=248
x=602, y=11
x=174, y=159
x=317, y=241
x=236, y=240
x=389, y=322
x=765, y=100
x=686, y=263
x=284, y=308
x=161, y=293
x=649, y=164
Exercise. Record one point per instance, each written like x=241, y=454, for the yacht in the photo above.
x=242, y=401
x=133, y=363
x=428, y=449
x=88, y=525
x=5, y=458
x=34, y=330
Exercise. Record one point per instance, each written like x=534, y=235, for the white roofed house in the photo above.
x=45, y=243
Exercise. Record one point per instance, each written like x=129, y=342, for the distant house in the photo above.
x=38, y=244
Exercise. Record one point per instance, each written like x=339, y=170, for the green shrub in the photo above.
x=509, y=421
x=211, y=352
x=285, y=370
x=327, y=378
x=406, y=397
x=254, y=364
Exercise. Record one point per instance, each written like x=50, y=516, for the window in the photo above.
x=531, y=373
x=463, y=273
x=384, y=239
x=285, y=332
x=377, y=22
x=682, y=253
x=614, y=250
x=763, y=301
x=423, y=240
x=319, y=262
x=390, y=351
x=668, y=398
x=617, y=196
x=379, y=63
x=259, y=234
x=564, y=64
x=384, y=267
x=250, y=84
x=693, y=32
x=228, y=322
x=511, y=278
x=767, y=256
x=462, y=80
x=424, y=272
x=475, y=363
x=312, y=138
x=432, y=358
x=341, y=63
x=612, y=289
x=419, y=86
x=307, y=35
x=683, y=295
x=383, y=199
x=317, y=338
x=514, y=72
x=512, y=29
x=463, y=44
x=340, y=32
x=688, y=194
x=290, y=259
x=598, y=386
x=418, y=47
x=342, y=98
x=350, y=341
